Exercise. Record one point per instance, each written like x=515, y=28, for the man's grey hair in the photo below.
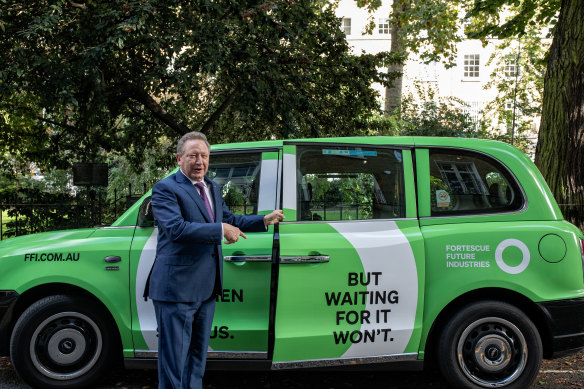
x=189, y=136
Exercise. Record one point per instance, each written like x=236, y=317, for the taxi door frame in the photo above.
x=411, y=204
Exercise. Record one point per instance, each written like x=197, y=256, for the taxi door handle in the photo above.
x=305, y=259
x=248, y=258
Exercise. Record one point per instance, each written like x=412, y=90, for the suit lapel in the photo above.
x=188, y=187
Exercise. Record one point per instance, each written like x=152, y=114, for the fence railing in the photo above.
x=22, y=213
x=25, y=211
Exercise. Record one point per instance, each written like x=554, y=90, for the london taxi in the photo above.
x=395, y=252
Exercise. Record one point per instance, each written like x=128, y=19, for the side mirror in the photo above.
x=145, y=216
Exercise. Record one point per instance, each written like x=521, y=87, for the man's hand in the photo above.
x=274, y=217
x=231, y=233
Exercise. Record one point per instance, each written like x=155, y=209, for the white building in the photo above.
x=464, y=82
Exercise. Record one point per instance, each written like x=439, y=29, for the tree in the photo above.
x=518, y=79
x=447, y=117
x=560, y=149
x=426, y=28
x=80, y=79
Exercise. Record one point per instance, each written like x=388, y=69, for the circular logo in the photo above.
x=512, y=243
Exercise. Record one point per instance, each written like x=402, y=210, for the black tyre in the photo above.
x=62, y=342
x=490, y=344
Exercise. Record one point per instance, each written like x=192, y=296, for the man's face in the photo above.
x=194, y=161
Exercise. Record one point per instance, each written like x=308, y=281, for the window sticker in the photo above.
x=442, y=198
x=352, y=153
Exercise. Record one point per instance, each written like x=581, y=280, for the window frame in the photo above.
x=258, y=150
x=407, y=192
x=497, y=163
x=469, y=69
x=383, y=26
x=346, y=26
x=511, y=68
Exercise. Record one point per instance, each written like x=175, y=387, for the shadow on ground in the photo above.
x=567, y=372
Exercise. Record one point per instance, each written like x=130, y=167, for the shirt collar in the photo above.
x=191, y=180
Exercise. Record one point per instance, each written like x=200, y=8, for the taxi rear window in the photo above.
x=349, y=183
x=464, y=182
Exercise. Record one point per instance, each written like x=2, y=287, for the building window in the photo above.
x=347, y=26
x=383, y=26
x=472, y=65
x=511, y=69
x=508, y=105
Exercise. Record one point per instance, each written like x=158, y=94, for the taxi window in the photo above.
x=349, y=183
x=464, y=182
x=239, y=177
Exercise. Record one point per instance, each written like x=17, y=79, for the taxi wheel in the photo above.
x=62, y=342
x=490, y=344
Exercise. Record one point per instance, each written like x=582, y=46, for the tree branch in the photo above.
x=138, y=94
x=215, y=116
x=77, y=5
x=64, y=125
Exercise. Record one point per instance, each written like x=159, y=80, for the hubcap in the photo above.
x=492, y=352
x=65, y=345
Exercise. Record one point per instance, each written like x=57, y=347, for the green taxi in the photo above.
x=396, y=252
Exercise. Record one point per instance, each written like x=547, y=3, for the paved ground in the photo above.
x=561, y=373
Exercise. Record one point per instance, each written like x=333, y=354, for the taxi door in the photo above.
x=240, y=327
x=351, y=265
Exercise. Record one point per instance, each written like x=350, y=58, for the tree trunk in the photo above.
x=560, y=147
x=393, y=95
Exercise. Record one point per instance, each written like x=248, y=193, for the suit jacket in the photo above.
x=189, y=261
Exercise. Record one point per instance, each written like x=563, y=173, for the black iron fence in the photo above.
x=29, y=211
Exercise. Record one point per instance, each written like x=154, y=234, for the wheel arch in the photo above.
x=36, y=293
x=526, y=305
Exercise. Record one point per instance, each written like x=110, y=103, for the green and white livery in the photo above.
x=394, y=252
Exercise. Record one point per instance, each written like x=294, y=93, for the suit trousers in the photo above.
x=183, y=339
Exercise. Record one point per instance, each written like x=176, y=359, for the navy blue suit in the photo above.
x=187, y=275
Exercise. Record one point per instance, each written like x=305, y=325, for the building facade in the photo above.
x=469, y=84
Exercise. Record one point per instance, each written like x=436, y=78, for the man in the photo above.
x=192, y=220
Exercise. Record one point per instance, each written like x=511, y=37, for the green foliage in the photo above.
x=441, y=118
x=342, y=197
x=50, y=212
x=35, y=204
x=437, y=117
x=79, y=80
x=518, y=102
x=123, y=175
x=434, y=117
x=525, y=15
x=428, y=28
